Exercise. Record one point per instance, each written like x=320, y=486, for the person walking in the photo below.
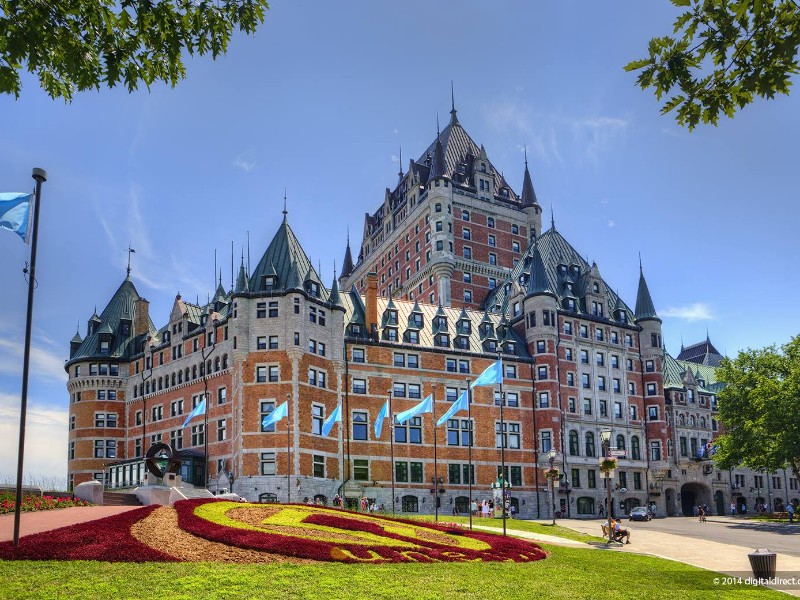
x=790, y=510
x=733, y=509
x=602, y=511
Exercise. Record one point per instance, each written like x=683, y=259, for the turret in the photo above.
x=530, y=204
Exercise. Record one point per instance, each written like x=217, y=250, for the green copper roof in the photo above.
x=286, y=260
x=644, y=303
x=122, y=306
x=242, y=285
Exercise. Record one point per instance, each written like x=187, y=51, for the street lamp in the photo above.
x=205, y=369
x=551, y=458
x=605, y=437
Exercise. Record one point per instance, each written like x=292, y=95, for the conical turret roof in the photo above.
x=528, y=194
x=644, y=303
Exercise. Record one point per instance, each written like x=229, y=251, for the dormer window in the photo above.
x=313, y=288
x=441, y=339
x=622, y=316
x=462, y=342
x=126, y=328
x=596, y=287
x=416, y=319
x=510, y=347
x=441, y=322
x=490, y=346
x=391, y=317
x=105, y=347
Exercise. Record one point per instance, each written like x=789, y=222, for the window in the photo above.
x=541, y=347
x=655, y=450
x=157, y=413
x=601, y=383
x=615, y=385
x=460, y=473
x=584, y=331
x=222, y=430
x=458, y=432
x=649, y=366
x=361, y=469
x=490, y=222
x=541, y=372
x=319, y=466
x=492, y=258
x=317, y=416
x=360, y=425
x=273, y=373
x=652, y=413
x=587, y=406
x=651, y=389
x=358, y=355
x=515, y=246
x=409, y=432
x=261, y=374
x=567, y=327
x=412, y=360
x=467, y=277
x=359, y=386
x=545, y=441
x=600, y=359
x=574, y=445
x=268, y=463
x=467, y=252
x=492, y=241
x=465, y=215
x=598, y=334
x=273, y=309
x=589, y=442
x=636, y=453
x=631, y=388
x=468, y=296
x=632, y=412
x=544, y=399
x=105, y=449
x=591, y=481
x=261, y=310
x=586, y=381
x=510, y=436
x=267, y=406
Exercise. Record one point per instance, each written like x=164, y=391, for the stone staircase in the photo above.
x=193, y=492
x=120, y=499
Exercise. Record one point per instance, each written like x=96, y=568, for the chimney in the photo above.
x=372, y=303
x=141, y=319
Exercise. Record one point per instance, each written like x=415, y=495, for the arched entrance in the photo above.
x=669, y=502
x=462, y=505
x=741, y=505
x=694, y=494
x=778, y=504
x=719, y=500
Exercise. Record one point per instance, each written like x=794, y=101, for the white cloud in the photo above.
x=611, y=223
x=45, y=365
x=395, y=158
x=698, y=311
x=595, y=134
x=45, y=442
x=246, y=164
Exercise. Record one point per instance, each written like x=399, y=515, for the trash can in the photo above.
x=763, y=563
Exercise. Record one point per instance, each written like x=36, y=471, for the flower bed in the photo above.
x=106, y=539
x=213, y=530
x=33, y=503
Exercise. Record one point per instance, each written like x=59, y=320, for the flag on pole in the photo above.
x=200, y=409
x=425, y=406
x=335, y=417
x=381, y=417
x=461, y=404
x=276, y=415
x=15, y=210
x=491, y=376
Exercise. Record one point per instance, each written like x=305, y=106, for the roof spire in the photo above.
x=130, y=251
x=284, y=204
x=552, y=218
x=400, y=174
x=438, y=166
x=453, y=115
x=528, y=194
x=644, y=303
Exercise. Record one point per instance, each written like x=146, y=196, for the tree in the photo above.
x=73, y=45
x=722, y=55
x=760, y=409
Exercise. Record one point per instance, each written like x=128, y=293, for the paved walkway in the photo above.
x=534, y=537
x=36, y=522
x=724, y=558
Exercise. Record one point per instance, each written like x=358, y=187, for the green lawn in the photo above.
x=530, y=526
x=566, y=573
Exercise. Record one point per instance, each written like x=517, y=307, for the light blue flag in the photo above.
x=15, y=210
x=425, y=406
x=461, y=404
x=335, y=417
x=491, y=376
x=200, y=409
x=380, y=419
x=276, y=415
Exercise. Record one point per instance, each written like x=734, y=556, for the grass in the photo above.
x=517, y=525
x=566, y=573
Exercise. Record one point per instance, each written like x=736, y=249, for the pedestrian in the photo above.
x=474, y=507
x=602, y=511
x=790, y=510
x=701, y=512
x=733, y=509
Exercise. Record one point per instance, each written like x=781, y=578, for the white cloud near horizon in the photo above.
x=244, y=163
x=45, y=458
x=698, y=311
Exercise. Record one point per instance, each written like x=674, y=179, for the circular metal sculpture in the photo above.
x=161, y=459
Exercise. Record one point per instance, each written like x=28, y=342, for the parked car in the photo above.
x=640, y=513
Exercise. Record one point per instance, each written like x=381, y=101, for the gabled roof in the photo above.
x=703, y=353
x=554, y=250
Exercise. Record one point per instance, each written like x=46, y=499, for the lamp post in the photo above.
x=152, y=348
x=391, y=448
x=605, y=437
x=205, y=369
x=551, y=458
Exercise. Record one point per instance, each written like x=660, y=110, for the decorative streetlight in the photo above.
x=552, y=476
x=607, y=466
x=209, y=337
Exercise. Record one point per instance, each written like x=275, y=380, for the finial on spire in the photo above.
x=525, y=150
x=453, y=116
x=552, y=218
x=220, y=276
x=437, y=125
x=284, y=204
x=640, y=261
x=130, y=251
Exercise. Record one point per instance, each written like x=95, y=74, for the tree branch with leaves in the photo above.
x=722, y=54
x=74, y=45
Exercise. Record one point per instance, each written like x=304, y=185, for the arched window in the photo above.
x=574, y=447
x=691, y=421
x=410, y=504
x=172, y=379
x=636, y=453
x=620, y=442
x=186, y=374
x=208, y=366
x=589, y=444
x=713, y=424
x=147, y=388
x=194, y=372
x=216, y=364
x=681, y=420
x=224, y=361
x=180, y=377
x=703, y=422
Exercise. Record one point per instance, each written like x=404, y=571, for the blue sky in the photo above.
x=319, y=102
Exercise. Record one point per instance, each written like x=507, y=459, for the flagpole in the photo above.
x=288, y=453
x=503, y=438
x=391, y=444
x=435, y=462
x=469, y=448
x=40, y=176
